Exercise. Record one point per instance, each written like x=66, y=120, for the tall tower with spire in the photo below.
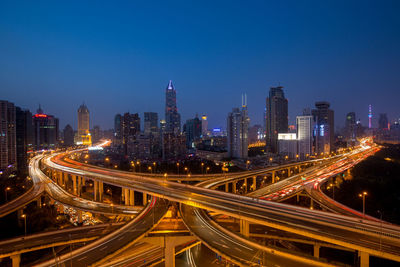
x=370, y=116
x=172, y=117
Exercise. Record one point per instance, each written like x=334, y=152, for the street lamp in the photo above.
x=6, y=190
x=177, y=167
x=112, y=208
x=24, y=216
x=363, y=194
x=202, y=168
x=207, y=169
x=150, y=169
x=247, y=164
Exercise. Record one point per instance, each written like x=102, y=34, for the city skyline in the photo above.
x=115, y=66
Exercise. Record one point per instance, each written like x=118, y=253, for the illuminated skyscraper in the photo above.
x=304, y=135
x=46, y=130
x=204, y=125
x=24, y=137
x=83, y=122
x=276, y=117
x=8, y=149
x=237, y=128
x=172, y=117
x=323, y=127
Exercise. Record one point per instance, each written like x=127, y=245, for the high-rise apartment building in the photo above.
x=276, y=117
x=237, y=128
x=45, y=129
x=150, y=123
x=24, y=138
x=304, y=128
x=324, y=126
x=172, y=117
x=8, y=148
x=118, y=130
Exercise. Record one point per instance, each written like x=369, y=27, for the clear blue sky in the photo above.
x=118, y=56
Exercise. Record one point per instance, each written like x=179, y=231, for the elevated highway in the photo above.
x=368, y=237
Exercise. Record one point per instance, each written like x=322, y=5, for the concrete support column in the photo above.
x=312, y=204
x=364, y=259
x=254, y=183
x=288, y=172
x=316, y=250
x=79, y=189
x=101, y=190
x=126, y=195
x=273, y=177
x=244, y=228
x=95, y=190
x=227, y=187
x=79, y=216
x=16, y=260
x=298, y=197
x=74, y=187
x=234, y=187
x=132, y=197
x=145, y=201
x=169, y=254
x=39, y=202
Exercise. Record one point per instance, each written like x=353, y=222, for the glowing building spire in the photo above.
x=370, y=116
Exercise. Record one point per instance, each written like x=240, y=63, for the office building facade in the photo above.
x=237, y=129
x=324, y=126
x=172, y=117
x=276, y=117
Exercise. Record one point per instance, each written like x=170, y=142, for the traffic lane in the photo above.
x=221, y=242
x=20, y=243
x=113, y=242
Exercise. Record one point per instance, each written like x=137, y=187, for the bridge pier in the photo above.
x=145, y=200
x=125, y=196
x=254, y=184
x=79, y=189
x=168, y=243
x=316, y=250
x=95, y=190
x=273, y=177
x=101, y=191
x=75, y=189
x=131, y=197
x=39, y=202
x=244, y=228
x=16, y=260
x=234, y=187
x=364, y=258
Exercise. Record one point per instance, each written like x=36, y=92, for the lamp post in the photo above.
x=362, y=195
x=24, y=216
x=207, y=169
x=177, y=167
x=202, y=168
x=6, y=190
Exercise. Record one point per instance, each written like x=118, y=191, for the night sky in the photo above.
x=118, y=56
